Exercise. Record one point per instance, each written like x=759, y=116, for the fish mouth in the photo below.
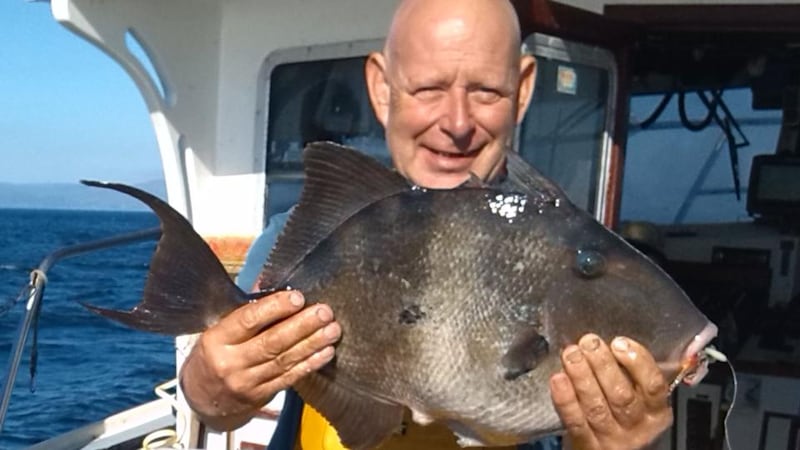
x=694, y=362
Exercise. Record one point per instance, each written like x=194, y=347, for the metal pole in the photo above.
x=36, y=290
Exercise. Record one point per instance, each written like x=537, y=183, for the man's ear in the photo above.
x=527, y=81
x=378, y=86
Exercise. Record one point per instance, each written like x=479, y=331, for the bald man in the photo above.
x=448, y=88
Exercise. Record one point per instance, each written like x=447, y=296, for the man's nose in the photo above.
x=457, y=120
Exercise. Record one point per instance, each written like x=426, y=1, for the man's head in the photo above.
x=449, y=88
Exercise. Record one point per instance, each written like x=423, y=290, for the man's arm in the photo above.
x=610, y=398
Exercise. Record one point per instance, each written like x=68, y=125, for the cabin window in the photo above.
x=677, y=175
x=565, y=131
x=322, y=100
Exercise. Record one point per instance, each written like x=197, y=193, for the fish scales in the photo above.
x=426, y=252
x=453, y=303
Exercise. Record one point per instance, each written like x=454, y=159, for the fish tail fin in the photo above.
x=187, y=288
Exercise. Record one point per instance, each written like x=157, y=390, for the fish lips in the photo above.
x=694, y=364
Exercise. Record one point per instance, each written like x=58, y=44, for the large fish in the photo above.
x=453, y=303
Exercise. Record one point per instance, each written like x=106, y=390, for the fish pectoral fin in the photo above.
x=525, y=353
x=362, y=421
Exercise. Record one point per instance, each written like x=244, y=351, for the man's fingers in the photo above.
x=296, y=344
x=588, y=392
x=280, y=342
x=620, y=393
x=610, y=397
x=248, y=320
x=272, y=343
x=643, y=372
x=570, y=412
x=306, y=356
x=288, y=378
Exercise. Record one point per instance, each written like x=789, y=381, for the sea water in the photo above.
x=88, y=367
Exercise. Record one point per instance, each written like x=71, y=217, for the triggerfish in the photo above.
x=453, y=303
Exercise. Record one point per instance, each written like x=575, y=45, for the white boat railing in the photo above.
x=129, y=425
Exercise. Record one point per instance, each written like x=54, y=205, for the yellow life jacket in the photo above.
x=317, y=434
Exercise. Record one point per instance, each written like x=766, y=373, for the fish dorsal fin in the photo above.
x=474, y=181
x=339, y=182
x=526, y=179
x=361, y=421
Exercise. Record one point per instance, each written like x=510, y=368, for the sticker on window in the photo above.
x=567, y=81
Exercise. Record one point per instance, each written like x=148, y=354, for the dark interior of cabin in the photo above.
x=707, y=135
x=704, y=52
x=734, y=70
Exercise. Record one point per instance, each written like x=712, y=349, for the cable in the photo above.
x=695, y=126
x=651, y=119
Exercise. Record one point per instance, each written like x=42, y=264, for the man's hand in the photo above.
x=259, y=349
x=610, y=398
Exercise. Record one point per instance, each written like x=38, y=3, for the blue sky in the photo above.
x=68, y=111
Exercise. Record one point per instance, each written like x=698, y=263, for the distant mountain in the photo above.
x=74, y=196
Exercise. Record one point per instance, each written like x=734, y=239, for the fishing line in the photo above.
x=716, y=355
x=8, y=305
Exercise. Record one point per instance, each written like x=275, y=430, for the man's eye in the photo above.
x=427, y=93
x=486, y=95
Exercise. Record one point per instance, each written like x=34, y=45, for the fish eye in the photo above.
x=590, y=263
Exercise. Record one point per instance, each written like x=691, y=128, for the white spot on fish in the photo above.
x=527, y=313
x=519, y=267
x=508, y=206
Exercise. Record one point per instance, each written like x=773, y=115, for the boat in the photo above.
x=673, y=123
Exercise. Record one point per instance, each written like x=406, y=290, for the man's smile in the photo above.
x=450, y=161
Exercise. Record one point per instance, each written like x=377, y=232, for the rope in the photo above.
x=167, y=437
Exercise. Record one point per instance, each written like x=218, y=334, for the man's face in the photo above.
x=452, y=103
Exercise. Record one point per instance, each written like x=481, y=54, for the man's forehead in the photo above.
x=447, y=18
x=470, y=65
x=449, y=28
